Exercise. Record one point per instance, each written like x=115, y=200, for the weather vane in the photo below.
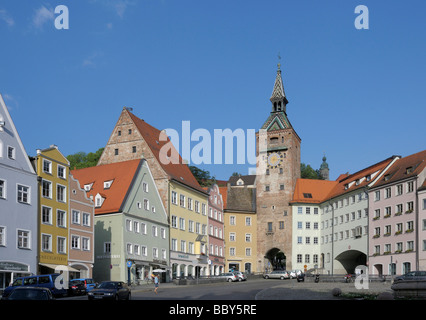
x=279, y=60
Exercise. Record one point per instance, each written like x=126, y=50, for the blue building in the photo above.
x=18, y=204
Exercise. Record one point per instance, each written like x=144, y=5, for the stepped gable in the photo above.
x=120, y=173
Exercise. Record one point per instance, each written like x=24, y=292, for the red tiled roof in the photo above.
x=176, y=169
x=359, y=179
x=312, y=191
x=415, y=162
x=122, y=174
x=224, y=192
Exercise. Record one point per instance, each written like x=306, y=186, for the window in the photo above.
x=23, y=194
x=376, y=196
x=232, y=221
x=62, y=172
x=145, y=186
x=85, y=244
x=23, y=239
x=61, y=193
x=134, y=149
x=61, y=218
x=11, y=152
x=116, y=152
x=46, y=215
x=2, y=236
x=107, y=247
x=410, y=186
x=75, y=242
x=248, y=221
x=86, y=219
x=47, y=166
x=75, y=217
x=2, y=189
x=387, y=192
x=182, y=200
x=399, y=189
x=46, y=189
x=46, y=242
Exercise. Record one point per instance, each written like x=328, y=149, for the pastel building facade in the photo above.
x=131, y=227
x=52, y=168
x=81, y=248
x=183, y=198
x=344, y=220
x=216, y=231
x=397, y=218
x=18, y=204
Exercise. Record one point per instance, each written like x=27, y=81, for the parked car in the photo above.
x=240, y=276
x=411, y=276
x=30, y=293
x=294, y=273
x=116, y=290
x=229, y=276
x=277, y=274
x=88, y=283
x=76, y=288
x=45, y=281
x=300, y=277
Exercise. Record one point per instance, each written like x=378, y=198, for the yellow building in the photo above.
x=188, y=231
x=53, y=171
x=241, y=225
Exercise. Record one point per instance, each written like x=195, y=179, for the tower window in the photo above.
x=116, y=152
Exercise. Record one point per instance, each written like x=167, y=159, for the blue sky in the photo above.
x=355, y=95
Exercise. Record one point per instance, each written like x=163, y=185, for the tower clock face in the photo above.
x=274, y=160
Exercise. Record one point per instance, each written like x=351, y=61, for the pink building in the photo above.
x=397, y=220
x=216, y=231
x=81, y=232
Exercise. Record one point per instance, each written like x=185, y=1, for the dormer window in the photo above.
x=88, y=187
x=99, y=200
x=409, y=170
x=107, y=184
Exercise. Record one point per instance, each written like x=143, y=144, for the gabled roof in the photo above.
x=312, y=191
x=122, y=175
x=406, y=167
x=9, y=135
x=360, y=179
x=247, y=180
x=176, y=169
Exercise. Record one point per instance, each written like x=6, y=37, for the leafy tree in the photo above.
x=307, y=172
x=82, y=160
x=203, y=176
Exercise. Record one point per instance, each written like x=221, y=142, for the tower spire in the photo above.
x=278, y=98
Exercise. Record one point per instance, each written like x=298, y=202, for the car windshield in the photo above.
x=108, y=285
x=28, y=294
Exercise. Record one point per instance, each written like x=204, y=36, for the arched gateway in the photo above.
x=276, y=259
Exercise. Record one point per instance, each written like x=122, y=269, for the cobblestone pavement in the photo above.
x=292, y=290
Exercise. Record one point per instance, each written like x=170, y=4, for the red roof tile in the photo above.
x=122, y=174
x=312, y=191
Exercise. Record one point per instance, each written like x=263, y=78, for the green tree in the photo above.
x=203, y=176
x=82, y=160
x=307, y=172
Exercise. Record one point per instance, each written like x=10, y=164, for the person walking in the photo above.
x=156, y=283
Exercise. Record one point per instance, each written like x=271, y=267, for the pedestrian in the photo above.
x=156, y=283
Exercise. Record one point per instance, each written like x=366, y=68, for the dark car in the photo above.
x=76, y=288
x=300, y=277
x=412, y=276
x=30, y=293
x=116, y=290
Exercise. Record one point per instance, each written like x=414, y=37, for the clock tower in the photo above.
x=277, y=169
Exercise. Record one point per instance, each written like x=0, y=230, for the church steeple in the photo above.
x=278, y=98
x=278, y=117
